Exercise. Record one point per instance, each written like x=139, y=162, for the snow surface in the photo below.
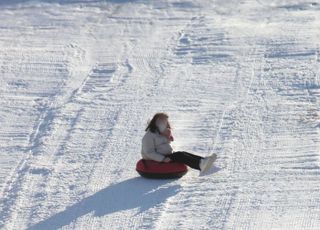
x=79, y=79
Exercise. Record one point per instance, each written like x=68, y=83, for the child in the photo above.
x=156, y=146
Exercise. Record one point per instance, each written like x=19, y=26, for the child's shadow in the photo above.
x=132, y=193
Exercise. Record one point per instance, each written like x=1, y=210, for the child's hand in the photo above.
x=166, y=159
x=167, y=133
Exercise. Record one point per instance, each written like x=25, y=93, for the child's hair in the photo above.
x=152, y=124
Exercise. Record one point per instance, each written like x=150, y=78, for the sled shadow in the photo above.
x=136, y=192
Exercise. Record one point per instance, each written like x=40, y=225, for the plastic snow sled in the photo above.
x=160, y=170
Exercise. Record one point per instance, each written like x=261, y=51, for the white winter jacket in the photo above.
x=155, y=146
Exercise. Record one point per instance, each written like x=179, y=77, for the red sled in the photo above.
x=161, y=170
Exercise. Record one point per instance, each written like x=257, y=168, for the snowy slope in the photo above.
x=79, y=79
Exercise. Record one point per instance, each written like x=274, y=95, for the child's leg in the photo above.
x=187, y=158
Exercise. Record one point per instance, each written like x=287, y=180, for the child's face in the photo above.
x=163, y=120
x=162, y=124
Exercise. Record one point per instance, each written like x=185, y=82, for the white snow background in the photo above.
x=80, y=78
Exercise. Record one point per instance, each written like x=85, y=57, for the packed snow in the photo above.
x=80, y=78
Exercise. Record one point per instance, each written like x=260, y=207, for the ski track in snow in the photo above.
x=79, y=79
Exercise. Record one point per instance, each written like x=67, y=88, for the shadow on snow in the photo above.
x=129, y=194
